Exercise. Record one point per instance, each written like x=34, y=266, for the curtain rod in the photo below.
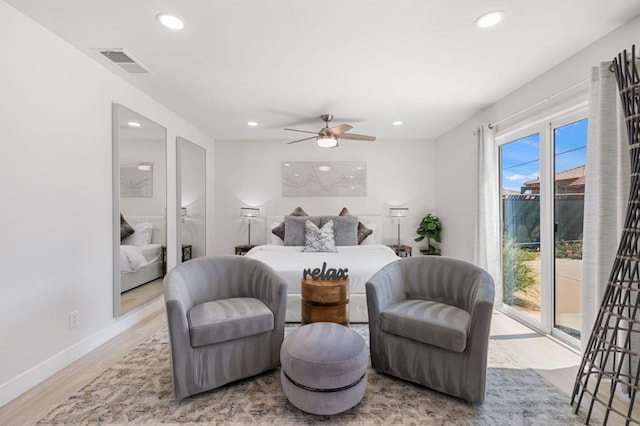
x=530, y=107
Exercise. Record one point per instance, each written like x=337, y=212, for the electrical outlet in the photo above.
x=74, y=319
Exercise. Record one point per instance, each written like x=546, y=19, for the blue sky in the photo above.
x=521, y=158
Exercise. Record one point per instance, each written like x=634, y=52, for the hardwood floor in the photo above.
x=31, y=406
x=140, y=295
x=552, y=360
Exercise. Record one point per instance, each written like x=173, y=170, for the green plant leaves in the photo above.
x=429, y=228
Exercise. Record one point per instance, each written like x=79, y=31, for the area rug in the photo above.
x=138, y=389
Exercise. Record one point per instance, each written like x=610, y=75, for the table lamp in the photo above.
x=397, y=213
x=248, y=213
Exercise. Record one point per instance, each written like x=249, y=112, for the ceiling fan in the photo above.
x=328, y=137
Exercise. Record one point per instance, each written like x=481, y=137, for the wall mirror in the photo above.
x=191, y=159
x=139, y=209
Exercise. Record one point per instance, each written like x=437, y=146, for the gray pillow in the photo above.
x=294, y=229
x=279, y=230
x=345, y=229
x=125, y=228
x=363, y=231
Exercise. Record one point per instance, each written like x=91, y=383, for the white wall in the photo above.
x=456, y=149
x=247, y=173
x=55, y=187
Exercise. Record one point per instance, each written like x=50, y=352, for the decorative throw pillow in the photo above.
x=275, y=240
x=345, y=229
x=294, y=234
x=371, y=239
x=319, y=239
x=363, y=231
x=125, y=228
x=279, y=230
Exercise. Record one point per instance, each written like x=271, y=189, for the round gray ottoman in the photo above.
x=324, y=368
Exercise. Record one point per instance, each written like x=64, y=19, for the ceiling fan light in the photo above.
x=327, y=141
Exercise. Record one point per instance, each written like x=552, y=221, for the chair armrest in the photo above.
x=266, y=285
x=481, y=314
x=275, y=296
x=177, y=302
x=384, y=288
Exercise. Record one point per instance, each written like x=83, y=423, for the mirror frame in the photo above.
x=115, y=162
x=179, y=182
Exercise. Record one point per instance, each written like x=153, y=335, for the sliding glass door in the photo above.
x=520, y=190
x=570, y=158
x=542, y=180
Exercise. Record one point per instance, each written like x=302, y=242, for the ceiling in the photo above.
x=283, y=63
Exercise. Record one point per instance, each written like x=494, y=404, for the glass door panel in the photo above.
x=570, y=148
x=520, y=195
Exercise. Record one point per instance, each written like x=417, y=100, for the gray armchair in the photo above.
x=226, y=321
x=429, y=320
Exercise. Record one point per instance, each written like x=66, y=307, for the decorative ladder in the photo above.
x=611, y=360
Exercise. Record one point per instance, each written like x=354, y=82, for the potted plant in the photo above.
x=429, y=229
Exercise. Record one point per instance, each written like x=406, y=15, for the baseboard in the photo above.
x=15, y=387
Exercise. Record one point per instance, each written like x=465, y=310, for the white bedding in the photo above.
x=133, y=258
x=362, y=262
x=289, y=261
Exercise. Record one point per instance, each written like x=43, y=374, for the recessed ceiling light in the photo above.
x=252, y=123
x=170, y=21
x=134, y=124
x=490, y=19
x=397, y=123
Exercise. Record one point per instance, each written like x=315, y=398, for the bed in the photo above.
x=362, y=260
x=141, y=254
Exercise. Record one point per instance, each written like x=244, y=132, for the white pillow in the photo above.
x=141, y=236
x=275, y=240
x=371, y=239
x=321, y=239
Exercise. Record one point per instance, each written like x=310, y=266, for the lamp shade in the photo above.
x=327, y=141
x=249, y=212
x=398, y=211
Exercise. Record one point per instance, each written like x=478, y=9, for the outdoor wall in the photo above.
x=247, y=173
x=455, y=164
x=55, y=187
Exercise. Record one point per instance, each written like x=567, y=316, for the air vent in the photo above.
x=124, y=60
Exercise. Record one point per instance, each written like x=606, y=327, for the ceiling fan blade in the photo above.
x=355, y=137
x=305, y=139
x=338, y=130
x=302, y=131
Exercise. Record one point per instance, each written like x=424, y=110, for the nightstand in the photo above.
x=244, y=248
x=401, y=250
x=186, y=255
x=186, y=252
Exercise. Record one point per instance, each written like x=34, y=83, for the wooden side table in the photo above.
x=241, y=250
x=401, y=250
x=325, y=301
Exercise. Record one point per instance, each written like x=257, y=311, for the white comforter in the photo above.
x=132, y=258
x=289, y=261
